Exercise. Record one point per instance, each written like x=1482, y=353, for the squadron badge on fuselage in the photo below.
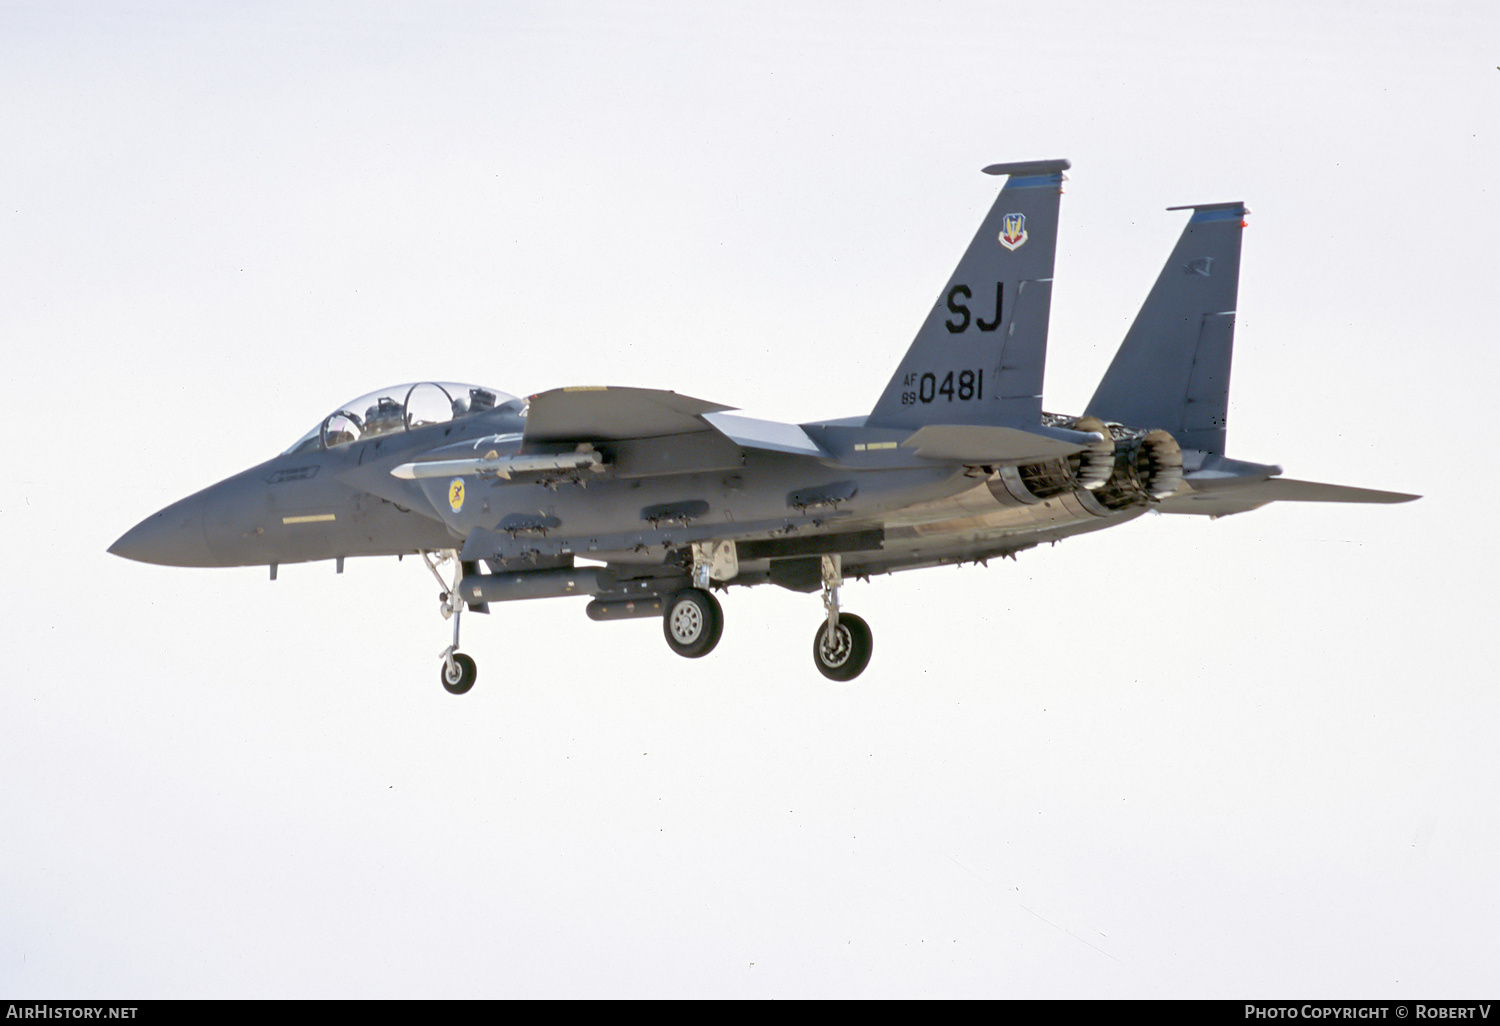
x=456, y=495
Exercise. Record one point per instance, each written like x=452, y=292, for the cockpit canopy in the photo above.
x=401, y=408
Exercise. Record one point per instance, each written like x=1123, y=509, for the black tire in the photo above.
x=718, y=620
x=693, y=623
x=849, y=652
x=462, y=676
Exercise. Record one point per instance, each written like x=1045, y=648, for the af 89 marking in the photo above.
x=965, y=386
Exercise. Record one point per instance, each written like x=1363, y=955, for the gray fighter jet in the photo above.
x=647, y=501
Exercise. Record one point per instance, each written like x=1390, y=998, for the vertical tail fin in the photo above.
x=979, y=356
x=1172, y=370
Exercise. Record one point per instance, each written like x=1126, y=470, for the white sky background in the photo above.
x=1255, y=756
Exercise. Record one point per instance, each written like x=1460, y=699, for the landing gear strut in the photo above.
x=693, y=620
x=458, y=672
x=843, y=644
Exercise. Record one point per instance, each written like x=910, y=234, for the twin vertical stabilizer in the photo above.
x=979, y=356
x=1172, y=370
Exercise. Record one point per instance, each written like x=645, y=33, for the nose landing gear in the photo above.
x=458, y=672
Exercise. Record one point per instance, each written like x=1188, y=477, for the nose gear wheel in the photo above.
x=458, y=674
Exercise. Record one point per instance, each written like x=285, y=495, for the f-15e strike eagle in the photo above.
x=667, y=498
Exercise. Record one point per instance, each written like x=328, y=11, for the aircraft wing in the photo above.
x=1221, y=502
x=648, y=432
x=599, y=413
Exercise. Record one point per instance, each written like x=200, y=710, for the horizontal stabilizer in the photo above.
x=981, y=443
x=1221, y=502
x=1207, y=471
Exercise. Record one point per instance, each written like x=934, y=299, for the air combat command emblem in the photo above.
x=1013, y=231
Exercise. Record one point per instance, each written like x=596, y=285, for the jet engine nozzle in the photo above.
x=1148, y=466
x=1087, y=470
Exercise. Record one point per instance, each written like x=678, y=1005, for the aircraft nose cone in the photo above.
x=172, y=537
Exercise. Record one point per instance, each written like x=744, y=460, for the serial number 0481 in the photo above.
x=960, y=386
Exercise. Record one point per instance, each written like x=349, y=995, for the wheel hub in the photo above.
x=835, y=647
x=687, y=623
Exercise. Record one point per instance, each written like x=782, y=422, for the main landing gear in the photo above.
x=843, y=645
x=693, y=622
x=841, y=653
x=458, y=672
